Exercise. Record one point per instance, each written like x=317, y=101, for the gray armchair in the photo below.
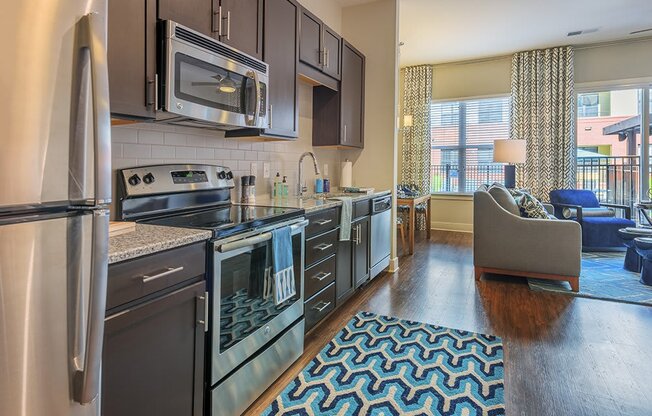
x=505, y=243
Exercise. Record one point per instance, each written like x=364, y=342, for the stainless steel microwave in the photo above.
x=208, y=84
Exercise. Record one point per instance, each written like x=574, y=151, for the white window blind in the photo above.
x=463, y=133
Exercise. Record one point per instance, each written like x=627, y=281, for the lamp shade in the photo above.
x=509, y=151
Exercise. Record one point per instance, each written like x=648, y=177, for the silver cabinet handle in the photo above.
x=228, y=25
x=167, y=272
x=204, y=300
x=323, y=222
x=321, y=306
x=321, y=276
x=323, y=246
x=218, y=13
x=88, y=364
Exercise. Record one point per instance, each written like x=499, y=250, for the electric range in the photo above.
x=251, y=340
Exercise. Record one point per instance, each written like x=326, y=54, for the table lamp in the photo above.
x=510, y=152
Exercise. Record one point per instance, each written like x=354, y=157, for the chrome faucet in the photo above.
x=302, y=186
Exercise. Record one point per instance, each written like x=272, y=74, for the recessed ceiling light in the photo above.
x=636, y=32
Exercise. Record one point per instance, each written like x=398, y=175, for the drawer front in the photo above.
x=320, y=306
x=319, y=276
x=361, y=208
x=322, y=221
x=320, y=247
x=134, y=279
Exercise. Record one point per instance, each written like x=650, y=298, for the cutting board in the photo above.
x=121, y=227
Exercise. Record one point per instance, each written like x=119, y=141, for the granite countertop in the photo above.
x=313, y=204
x=149, y=239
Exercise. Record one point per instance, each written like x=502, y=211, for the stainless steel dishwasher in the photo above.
x=381, y=231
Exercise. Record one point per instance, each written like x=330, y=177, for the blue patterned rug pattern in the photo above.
x=380, y=365
x=602, y=277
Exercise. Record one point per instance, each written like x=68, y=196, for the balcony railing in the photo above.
x=613, y=179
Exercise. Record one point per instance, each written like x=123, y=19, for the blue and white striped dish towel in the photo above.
x=282, y=265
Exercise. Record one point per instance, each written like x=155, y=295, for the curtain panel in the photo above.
x=543, y=113
x=416, y=155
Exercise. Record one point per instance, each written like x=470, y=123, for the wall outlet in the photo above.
x=254, y=169
x=266, y=169
x=325, y=169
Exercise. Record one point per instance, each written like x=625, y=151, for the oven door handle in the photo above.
x=260, y=238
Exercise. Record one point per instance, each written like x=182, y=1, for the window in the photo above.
x=463, y=133
x=588, y=105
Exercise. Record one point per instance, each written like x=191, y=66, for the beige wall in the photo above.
x=329, y=11
x=629, y=62
x=373, y=29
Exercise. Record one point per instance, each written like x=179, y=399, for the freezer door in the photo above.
x=54, y=110
x=52, y=284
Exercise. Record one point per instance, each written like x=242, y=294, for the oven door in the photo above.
x=243, y=321
x=205, y=86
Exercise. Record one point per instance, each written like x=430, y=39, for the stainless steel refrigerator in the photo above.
x=55, y=187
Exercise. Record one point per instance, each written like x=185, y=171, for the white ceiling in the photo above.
x=438, y=31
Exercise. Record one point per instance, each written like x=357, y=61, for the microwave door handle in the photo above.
x=88, y=362
x=258, y=98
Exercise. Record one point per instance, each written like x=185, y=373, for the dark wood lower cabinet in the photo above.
x=344, y=282
x=153, y=357
x=360, y=250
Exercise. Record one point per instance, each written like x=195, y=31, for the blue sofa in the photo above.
x=599, y=226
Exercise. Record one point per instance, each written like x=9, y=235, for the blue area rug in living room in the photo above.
x=602, y=277
x=379, y=365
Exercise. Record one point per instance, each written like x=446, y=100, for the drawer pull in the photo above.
x=323, y=222
x=169, y=271
x=321, y=276
x=321, y=306
x=323, y=246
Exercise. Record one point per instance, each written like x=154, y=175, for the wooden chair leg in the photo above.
x=575, y=284
x=401, y=230
x=478, y=272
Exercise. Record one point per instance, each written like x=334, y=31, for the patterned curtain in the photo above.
x=543, y=113
x=417, y=97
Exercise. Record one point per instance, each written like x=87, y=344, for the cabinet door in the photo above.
x=153, y=357
x=352, y=97
x=281, y=48
x=194, y=14
x=332, y=44
x=344, y=283
x=310, y=42
x=361, y=252
x=242, y=25
x=131, y=55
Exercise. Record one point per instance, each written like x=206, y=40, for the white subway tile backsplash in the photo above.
x=137, y=150
x=165, y=152
x=230, y=143
x=122, y=135
x=176, y=139
x=196, y=141
x=215, y=142
x=150, y=137
x=244, y=146
x=251, y=155
x=116, y=150
x=188, y=153
x=237, y=155
x=206, y=153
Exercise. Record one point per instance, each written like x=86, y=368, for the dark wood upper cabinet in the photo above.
x=194, y=14
x=338, y=116
x=240, y=25
x=319, y=48
x=131, y=55
x=332, y=43
x=310, y=49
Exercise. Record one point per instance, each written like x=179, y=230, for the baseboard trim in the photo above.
x=393, y=265
x=452, y=226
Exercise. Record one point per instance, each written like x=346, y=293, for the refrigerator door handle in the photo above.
x=92, y=47
x=88, y=363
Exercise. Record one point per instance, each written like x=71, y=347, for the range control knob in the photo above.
x=134, y=180
x=221, y=174
x=229, y=175
x=149, y=178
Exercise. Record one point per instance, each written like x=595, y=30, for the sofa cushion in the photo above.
x=529, y=206
x=582, y=197
x=602, y=232
x=502, y=196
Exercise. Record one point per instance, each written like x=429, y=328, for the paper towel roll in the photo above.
x=347, y=174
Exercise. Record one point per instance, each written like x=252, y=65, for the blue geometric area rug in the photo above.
x=379, y=365
x=602, y=277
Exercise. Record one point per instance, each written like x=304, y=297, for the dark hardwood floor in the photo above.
x=563, y=355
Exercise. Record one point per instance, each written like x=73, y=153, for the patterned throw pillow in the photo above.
x=529, y=206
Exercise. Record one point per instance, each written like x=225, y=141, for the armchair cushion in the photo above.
x=582, y=197
x=504, y=198
x=602, y=232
